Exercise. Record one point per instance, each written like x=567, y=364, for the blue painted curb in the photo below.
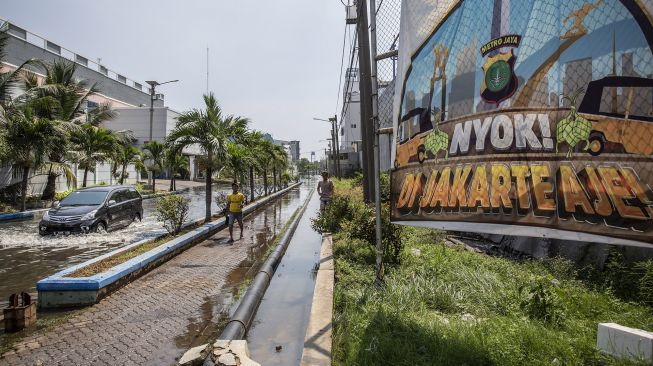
x=58, y=281
x=16, y=215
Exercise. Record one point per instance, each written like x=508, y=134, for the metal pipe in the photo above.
x=244, y=314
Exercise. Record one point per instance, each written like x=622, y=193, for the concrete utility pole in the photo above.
x=377, y=163
x=153, y=85
x=335, y=150
x=367, y=128
x=336, y=131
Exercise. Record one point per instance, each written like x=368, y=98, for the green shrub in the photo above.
x=139, y=187
x=330, y=221
x=645, y=281
x=363, y=226
x=58, y=196
x=172, y=211
x=541, y=299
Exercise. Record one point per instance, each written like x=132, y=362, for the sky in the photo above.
x=276, y=62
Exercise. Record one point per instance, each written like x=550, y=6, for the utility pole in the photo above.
x=367, y=128
x=336, y=131
x=377, y=163
x=153, y=84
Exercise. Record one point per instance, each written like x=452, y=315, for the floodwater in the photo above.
x=26, y=257
x=282, y=317
x=216, y=310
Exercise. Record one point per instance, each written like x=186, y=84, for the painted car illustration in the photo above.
x=620, y=109
x=412, y=128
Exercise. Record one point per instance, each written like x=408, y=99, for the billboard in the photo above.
x=526, y=117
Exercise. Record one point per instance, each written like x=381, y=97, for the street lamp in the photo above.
x=153, y=85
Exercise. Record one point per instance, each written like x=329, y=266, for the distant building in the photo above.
x=130, y=98
x=350, y=125
x=294, y=150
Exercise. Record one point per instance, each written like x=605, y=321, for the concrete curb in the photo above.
x=61, y=291
x=317, y=342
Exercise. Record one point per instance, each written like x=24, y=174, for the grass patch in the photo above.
x=447, y=306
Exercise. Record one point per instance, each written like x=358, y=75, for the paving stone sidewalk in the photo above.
x=153, y=320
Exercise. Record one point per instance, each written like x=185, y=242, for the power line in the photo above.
x=342, y=61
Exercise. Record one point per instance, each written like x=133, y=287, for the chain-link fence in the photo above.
x=387, y=35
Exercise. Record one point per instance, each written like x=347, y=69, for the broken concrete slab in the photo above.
x=195, y=356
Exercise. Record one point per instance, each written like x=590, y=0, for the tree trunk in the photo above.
x=209, y=182
x=265, y=181
x=172, y=181
x=153, y=183
x=23, y=188
x=85, y=175
x=251, y=184
x=50, y=186
x=122, y=174
x=274, y=178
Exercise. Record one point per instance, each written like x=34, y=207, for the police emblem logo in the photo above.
x=499, y=80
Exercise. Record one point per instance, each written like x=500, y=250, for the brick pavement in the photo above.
x=156, y=318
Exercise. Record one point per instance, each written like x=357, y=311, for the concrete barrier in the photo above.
x=61, y=291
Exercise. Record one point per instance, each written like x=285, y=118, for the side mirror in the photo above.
x=112, y=202
x=56, y=204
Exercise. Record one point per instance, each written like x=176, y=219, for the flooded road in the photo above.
x=282, y=317
x=26, y=257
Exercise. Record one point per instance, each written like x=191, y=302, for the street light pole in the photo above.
x=153, y=84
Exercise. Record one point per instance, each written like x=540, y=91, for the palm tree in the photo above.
x=252, y=142
x=92, y=145
x=238, y=160
x=211, y=130
x=124, y=155
x=279, y=163
x=155, y=155
x=63, y=97
x=264, y=158
x=10, y=79
x=175, y=162
x=31, y=139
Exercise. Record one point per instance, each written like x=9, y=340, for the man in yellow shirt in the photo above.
x=236, y=202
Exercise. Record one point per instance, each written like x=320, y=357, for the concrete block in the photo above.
x=195, y=356
x=624, y=342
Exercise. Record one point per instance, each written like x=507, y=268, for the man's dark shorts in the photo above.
x=233, y=216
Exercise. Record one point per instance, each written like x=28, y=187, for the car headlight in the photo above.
x=90, y=215
x=46, y=216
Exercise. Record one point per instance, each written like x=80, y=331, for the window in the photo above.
x=81, y=60
x=121, y=78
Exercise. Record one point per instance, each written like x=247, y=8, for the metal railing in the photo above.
x=54, y=48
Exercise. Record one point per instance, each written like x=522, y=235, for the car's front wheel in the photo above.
x=596, y=144
x=101, y=228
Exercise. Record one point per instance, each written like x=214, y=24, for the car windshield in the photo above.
x=84, y=198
